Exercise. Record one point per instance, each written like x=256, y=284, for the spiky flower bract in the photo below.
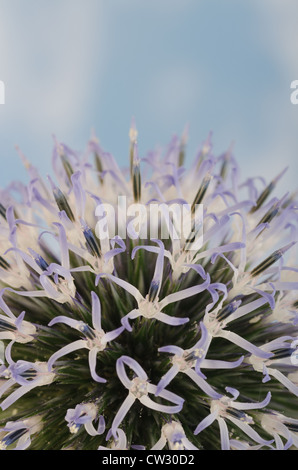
x=143, y=342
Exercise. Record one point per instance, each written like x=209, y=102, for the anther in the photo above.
x=62, y=203
x=91, y=242
x=271, y=260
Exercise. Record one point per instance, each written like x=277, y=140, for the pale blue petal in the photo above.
x=206, y=422
x=4, y=307
x=158, y=273
x=13, y=397
x=160, y=444
x=203, y=384
x=224, y=434
x=138, y=370
x=242, y=343
x=101, y=425
x=184, y=294
x=145, y=400
x=174, y=321
x=92, y=364
x=90, y=429
x=249, y=431
x=80, y=344
x=172, y=350
x=284, y=380
x=63, y=246
x=23, y=443
x=6, y=386
x=253, y=406
x=167, y=395
x=166, y=379
x=125, y=285
x=96, y=312
x=67, y=321
x=188, y=445
x=217, y=364
x=233, y=391
x=122, y=412
x=113, y=334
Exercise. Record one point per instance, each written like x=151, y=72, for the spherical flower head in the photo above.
x=147, y=307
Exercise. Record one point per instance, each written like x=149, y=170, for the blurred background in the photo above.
x=222, y=66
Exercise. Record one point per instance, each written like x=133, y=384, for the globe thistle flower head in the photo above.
x=153, y=307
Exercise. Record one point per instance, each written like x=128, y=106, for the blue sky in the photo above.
x=220, y=65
